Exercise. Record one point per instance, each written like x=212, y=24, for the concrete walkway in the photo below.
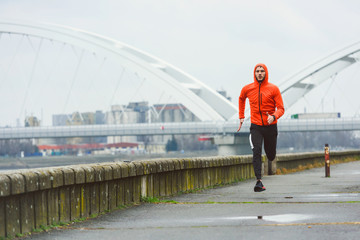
x=303, y=205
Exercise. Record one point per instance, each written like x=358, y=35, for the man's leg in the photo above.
x=256, y=139
x=270, y=140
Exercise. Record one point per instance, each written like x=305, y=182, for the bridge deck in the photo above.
x=229, y=127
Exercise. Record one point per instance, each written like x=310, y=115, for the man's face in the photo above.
x=260, y=73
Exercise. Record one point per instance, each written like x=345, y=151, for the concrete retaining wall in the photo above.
x=292, y=161
x=31, y=199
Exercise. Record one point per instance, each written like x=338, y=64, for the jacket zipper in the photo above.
x=260, y=100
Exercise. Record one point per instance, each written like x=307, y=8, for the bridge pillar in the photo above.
x=234, y=144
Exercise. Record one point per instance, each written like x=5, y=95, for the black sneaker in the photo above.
x=259, y=187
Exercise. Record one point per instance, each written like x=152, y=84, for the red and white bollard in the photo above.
x=327, y=160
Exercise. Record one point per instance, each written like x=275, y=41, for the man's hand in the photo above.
x=270, y=119
x=241, y=122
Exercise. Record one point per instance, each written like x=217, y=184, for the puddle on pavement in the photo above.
x=335, y=195
x=282, y=218
x=286, y=218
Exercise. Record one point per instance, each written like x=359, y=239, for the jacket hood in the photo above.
x=266, y=72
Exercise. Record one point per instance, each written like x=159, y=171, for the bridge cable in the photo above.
x=97, y=72
x=356, y=74
x=34, y=48
x=12, y=59
x=164, y=106
x=157, y=115
x=73, y=80
x=305, y=99
x=113, y=97
x=75, y=52
x=95, y=76
x=31, y=44
x=308, y=103
x=138, y=89
x=346, y=96
x=333, y=77
x=49, y=74
x=55, y=65
x=31, y=77
x=117, y=86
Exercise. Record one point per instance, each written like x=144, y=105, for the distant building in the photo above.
x=32, y=121
x=121, y=114
x=141, y=112
x=173, y=113
x=99, y=117
x=78, y=118
x=134, y=112
x=60, y=119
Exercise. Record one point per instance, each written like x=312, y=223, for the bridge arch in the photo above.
x=204, y=102
x=299, y=84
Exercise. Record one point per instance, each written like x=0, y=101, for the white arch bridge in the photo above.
x=209, y=106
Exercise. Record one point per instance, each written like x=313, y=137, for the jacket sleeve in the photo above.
x=280, y=110
x=242, y=100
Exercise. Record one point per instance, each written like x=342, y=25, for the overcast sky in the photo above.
x=216, y=41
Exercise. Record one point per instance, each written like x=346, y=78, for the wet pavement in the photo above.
x=303, y=205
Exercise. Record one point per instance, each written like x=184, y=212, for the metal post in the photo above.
x=327, y=160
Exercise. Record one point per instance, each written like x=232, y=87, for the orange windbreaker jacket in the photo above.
x=264, y=98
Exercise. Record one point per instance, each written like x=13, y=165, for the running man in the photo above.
x=266, y=107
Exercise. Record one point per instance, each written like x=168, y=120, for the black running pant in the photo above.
x=258, y=134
